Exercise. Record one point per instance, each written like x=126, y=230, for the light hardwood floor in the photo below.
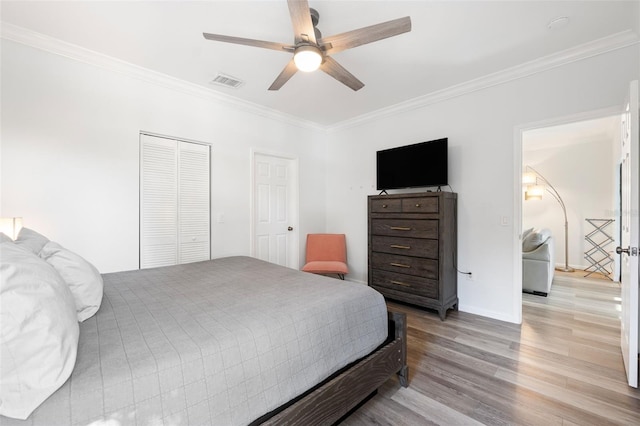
x=562, y=366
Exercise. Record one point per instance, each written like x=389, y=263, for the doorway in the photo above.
x=519, y=133
x=577, y=169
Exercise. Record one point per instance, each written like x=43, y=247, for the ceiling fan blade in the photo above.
x=337, y=71
x=301, y=20
x=340, y=42
x=288, y=71
x=249, y=42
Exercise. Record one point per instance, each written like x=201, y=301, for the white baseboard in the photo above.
x=486, y=313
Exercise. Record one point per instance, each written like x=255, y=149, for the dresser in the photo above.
x=413, y=248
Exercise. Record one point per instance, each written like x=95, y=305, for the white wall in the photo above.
x=70, y=155
x=70, y=159
x=480, y=127
x=584, y=176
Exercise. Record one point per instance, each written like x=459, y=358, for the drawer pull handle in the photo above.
x=400, y=228
x=418, y=205
x=396, y=246
x=400, y=283
x=400, y=265
x=384, y=206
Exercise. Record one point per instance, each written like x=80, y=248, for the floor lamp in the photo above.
x=536, y=185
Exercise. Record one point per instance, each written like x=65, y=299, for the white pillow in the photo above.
x=526, y=232
x=5, y=238
x=39, y=331
x=535, y=239
x=31, y=240
x=82, y=277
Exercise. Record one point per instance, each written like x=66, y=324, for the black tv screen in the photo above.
x=418, y=165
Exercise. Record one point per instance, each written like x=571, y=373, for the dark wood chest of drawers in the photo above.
x=413, y=248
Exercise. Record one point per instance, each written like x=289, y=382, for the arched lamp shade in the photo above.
x=528, y=178
x=534, y=192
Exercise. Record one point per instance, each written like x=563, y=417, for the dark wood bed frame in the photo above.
x=330, y=401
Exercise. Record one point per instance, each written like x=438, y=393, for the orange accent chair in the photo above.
x=327, y=254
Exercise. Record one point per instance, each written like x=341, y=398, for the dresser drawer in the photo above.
x=427, y=268
x=405, y=283
x=420, y=205
x=412, y=228
x=418, y=247
x=386, y=206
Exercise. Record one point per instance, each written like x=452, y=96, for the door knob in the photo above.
x=630, y=251
x=290, y=228
x=620, y=250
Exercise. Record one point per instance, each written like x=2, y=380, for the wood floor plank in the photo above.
x=628, y=402
x=611, y=359
x=437, y=412
x=561, y=366
x=494, y=404
x=594, y=407
x=383, y=411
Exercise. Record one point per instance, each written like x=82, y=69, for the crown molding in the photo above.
x=52, y=45
x=587, y=50
x=49, y=44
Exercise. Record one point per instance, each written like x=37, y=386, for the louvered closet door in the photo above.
x=193, y=202
x=174, y=202
x=158, y=202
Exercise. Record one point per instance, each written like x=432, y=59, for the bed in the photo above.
x=230, y=341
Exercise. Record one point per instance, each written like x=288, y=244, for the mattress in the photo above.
x=220, y=342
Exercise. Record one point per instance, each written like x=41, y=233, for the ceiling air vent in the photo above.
x=227, y=80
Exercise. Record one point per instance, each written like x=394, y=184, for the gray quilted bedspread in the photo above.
x=220, y=342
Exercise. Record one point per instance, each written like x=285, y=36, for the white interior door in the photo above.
x=275, y=214
x=630, y=229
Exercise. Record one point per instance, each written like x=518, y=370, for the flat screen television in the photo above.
x=419, y=165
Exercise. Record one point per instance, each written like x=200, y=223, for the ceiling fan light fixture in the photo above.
x=307, y=58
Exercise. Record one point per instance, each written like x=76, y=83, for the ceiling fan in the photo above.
x=311, y=50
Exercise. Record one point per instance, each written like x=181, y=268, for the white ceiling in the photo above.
x=451, y=42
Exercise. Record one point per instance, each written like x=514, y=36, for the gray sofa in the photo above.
x=538, y=258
